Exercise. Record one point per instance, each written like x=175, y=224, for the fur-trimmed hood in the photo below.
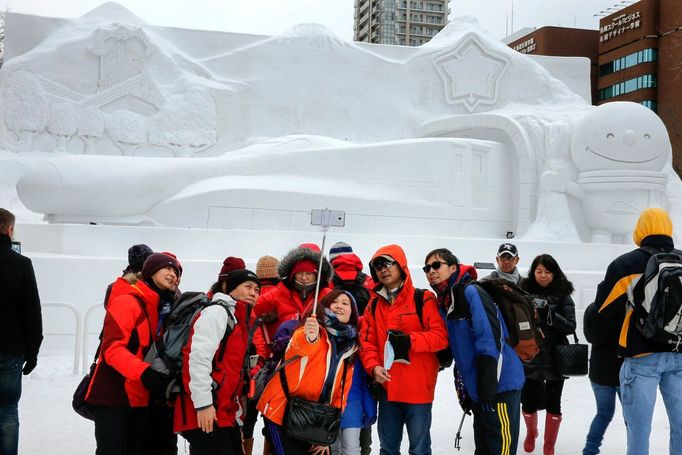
x=301, y=254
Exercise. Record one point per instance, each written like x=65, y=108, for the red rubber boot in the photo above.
x=531, y=431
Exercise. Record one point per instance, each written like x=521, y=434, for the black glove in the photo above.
x=401, y=345
x=29, y=365
x=156, y=383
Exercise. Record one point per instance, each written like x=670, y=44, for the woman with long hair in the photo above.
x=318, y=367
x=551, y=293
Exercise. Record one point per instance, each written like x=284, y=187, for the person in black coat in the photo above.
x=551, y=292
x=21, y=330
x=604, y=369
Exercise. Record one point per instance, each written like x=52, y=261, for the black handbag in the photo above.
x=310, y=421
x=571, y=359
x=78, y=402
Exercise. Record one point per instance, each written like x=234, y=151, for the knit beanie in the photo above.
x=239, y=276
x=266, y=267
x=652, y=221
x=229, y=265
x=137, y=254
x=305, y=265
x=158, y=261
x=311, y=246
x=338, y=249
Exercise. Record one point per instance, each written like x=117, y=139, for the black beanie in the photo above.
x=137, y=254
x=237, y=277
x=158, y=261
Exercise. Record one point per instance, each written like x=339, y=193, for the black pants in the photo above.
x=250, y=419
x=221, y=441
x=121, y=430
x=496, y=429
x=542, y=395
x=161, y=430
x=366, y=441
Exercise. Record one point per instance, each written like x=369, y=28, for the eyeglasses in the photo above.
x=435, y=265
x=380, y=265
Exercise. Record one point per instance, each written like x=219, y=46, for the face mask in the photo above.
x=389, y=355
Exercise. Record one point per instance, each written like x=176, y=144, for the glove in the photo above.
x=29, y=366
x=401, y=345
x=462, y=395
x=155, y=382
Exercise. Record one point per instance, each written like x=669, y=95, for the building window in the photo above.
x=643, y=56
x=651, y=104
x=631, y=85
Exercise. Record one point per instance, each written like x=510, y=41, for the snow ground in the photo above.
x=49, y=425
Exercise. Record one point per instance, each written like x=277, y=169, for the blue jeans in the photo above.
x=605, y=396
x=639, y=379
x=10, y=392
x=416, y=417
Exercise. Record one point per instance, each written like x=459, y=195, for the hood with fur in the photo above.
x=301, y=254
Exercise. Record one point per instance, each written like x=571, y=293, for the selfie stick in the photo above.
x=325, y=222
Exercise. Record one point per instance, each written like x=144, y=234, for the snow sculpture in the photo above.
x=461, y=135
x=25, y=108
x=620, y=150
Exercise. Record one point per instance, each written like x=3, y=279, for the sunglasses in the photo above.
x=380, y=265
x=435, y=265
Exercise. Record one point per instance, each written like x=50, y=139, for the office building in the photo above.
x=401, y=22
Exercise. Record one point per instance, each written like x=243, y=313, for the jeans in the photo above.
x=605, y=396
x=416, y=417
x=639, y=379
x=10, y=392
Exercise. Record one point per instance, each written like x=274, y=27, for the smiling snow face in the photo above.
x=620, y=136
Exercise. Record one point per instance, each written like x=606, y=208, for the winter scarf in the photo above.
x=342, y=337
x=514, y=277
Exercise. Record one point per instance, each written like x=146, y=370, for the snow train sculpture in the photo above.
x=461, y=135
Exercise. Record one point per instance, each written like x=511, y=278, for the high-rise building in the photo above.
x=402, y=22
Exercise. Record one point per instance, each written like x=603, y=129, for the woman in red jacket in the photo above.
x=120, y=389
x=318, y=374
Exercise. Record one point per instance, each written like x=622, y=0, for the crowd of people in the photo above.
x=321, y=372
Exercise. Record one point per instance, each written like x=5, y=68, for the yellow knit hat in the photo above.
x=652, y=221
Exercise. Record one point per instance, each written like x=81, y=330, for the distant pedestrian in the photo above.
x=551, y=293
x=507, y=260
x=21, y=331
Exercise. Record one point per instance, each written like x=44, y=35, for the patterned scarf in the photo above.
x=337, y=329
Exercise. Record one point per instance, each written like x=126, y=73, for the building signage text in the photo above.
x=620, y=25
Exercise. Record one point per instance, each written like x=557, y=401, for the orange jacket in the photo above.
x=306, y=376
x=414, y=383
x=129, y=325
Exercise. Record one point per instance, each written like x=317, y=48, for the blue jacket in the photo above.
x=477, y=333
x=361, y=408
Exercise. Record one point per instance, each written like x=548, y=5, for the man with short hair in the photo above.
x=21, y=331
x=507, y=259
x=491, y=374
x=408, y=383
x=647, y=365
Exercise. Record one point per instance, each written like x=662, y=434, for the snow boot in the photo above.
x=248, y=446
x=531, y=420
x=552, y=423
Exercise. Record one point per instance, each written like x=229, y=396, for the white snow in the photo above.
x=47, y=420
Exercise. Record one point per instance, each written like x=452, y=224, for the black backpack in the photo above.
x=444, y=355
x=165, y=355
x=657, y=298
x=519, y=314
x=356, y=287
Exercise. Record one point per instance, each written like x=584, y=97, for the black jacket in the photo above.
x=21, y=324
x=557, y=320
x=612, y=300
x=603, y=334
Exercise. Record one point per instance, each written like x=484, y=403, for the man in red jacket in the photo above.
x=409, y=383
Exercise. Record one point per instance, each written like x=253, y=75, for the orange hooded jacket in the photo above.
x=306, y=376
x=414, y=383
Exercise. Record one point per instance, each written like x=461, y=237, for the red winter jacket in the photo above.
x=202, y=366
x=132, y=315
x=414, y=383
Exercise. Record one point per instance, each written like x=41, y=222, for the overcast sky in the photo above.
x=270, y=17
